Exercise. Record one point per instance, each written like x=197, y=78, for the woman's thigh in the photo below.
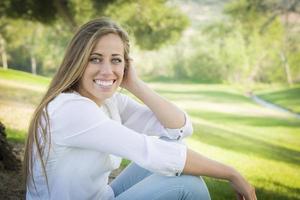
x=157, y=187
x=131, y=175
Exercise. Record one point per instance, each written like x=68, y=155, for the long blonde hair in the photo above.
x=66, y=79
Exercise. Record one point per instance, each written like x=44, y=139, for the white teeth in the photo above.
x=104, y=83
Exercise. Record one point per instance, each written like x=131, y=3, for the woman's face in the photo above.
x=104, y=72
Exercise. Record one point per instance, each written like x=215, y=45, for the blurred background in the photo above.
x=233, y=65
x=215, y=41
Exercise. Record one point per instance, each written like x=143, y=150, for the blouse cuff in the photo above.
x=181, y=161
x=180, y=133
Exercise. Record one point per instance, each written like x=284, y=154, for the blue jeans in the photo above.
x=137, y=183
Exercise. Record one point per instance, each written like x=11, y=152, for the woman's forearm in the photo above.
x=167, y=113
x=199, y=165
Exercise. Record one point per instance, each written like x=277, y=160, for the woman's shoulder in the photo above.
x=68, y=98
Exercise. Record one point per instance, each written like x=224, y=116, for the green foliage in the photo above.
x=43, y=36
x=232, y=50
x=28, y=39
x=43, y=11
x=152, y=23
x=245, y=47
x=52, y=48
x=83, y=11
x=266, y=38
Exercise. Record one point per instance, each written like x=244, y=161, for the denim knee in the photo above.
x=195, y=186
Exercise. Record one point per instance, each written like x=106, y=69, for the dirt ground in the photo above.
x=11, y=182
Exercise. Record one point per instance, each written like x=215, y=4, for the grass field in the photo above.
x=20, y=92
x=262, y=144
x=287, y=98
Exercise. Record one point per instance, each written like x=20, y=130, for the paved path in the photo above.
x=272, y=106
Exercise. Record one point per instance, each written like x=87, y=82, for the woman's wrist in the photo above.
x=135, y=87
x=233, y=174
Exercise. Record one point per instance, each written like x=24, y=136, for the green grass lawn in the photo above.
x=287, y=98
x=262, y=144
x=20, y=92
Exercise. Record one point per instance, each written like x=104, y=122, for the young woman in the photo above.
x=83, y=127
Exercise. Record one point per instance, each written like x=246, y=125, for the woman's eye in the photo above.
x=95, y=60
x=116, y=60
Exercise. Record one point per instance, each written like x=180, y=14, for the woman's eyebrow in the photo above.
x=98, y=54
x=116, y=54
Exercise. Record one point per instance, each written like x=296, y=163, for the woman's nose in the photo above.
x=106, y=68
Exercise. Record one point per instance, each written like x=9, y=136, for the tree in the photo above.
x=23, y=34
x=281, y=8
x=3, y=52
x=2, y=44
x=262, y=26
x=152, y=22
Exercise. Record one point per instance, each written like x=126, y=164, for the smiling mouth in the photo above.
x=104, y=83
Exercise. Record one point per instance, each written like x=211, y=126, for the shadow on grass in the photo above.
x=213, y=96
x=291, y=192
x=245, y=144
x=221, y=190
x=262, y=193
x=287, y=99
x=176, y=80
x=293, y=93
x=20, y=95
x=266, y=121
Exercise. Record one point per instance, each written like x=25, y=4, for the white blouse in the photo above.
x=88, y=142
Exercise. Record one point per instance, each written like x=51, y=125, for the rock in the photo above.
x=8, y=158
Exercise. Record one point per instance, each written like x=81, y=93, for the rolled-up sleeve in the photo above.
x=141, y=119
x=82, y=124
